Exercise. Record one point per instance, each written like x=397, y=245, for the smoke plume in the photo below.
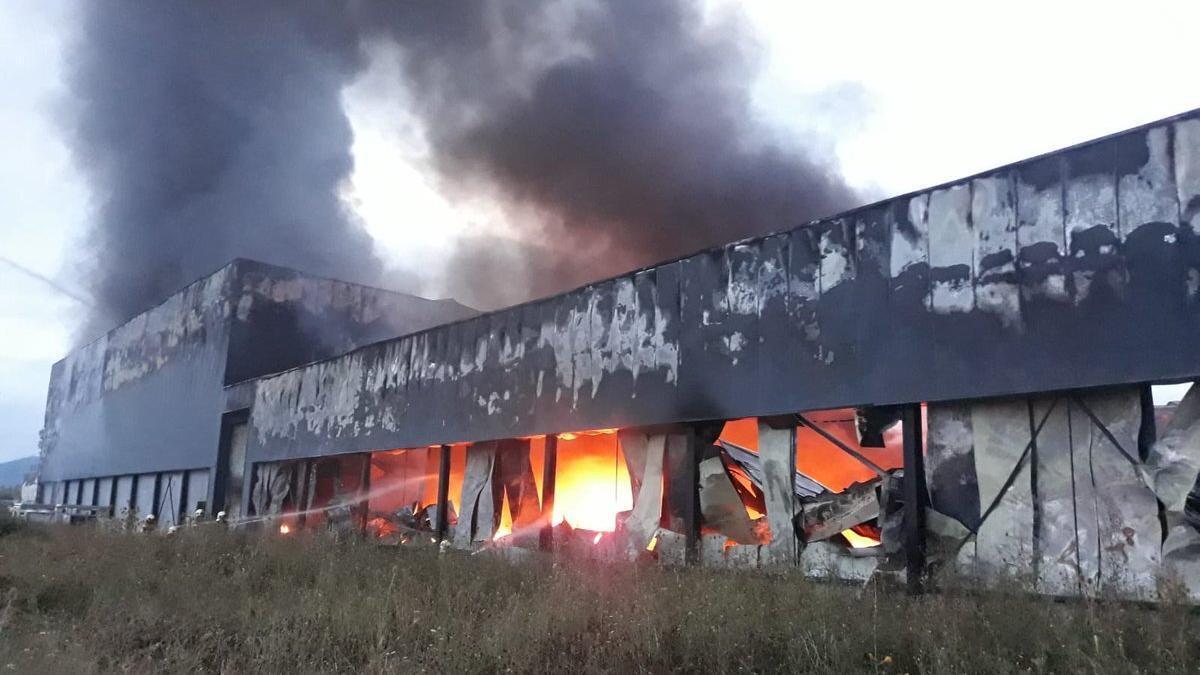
x=627, y=126
x=209, y=131
x=619, y=133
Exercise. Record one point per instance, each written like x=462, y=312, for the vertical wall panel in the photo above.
x=1000, y=432
x=706, y=307
x=909, y=253
x=422, y=377
x=1146, y=181
x=197, y=491
x=464, y=409
x=529, y=366
x=645, y=338
x=994, y=216
x=741, y=340
x=1148, y=219
x=144, y=499
x=835, y=279
x=658, y=394
x=170, y=499
x=561, y=340
x=581, y=347
x=548, y=387
x=803, y=329
x=604, y=357
x=775, y=325
x=951, y=250
x=1040, y=230
x=104, y=488
x=1187, y=172
x=908, y=320
x=1090, y=208
x=872, y=291
x=124, y=495
x=1067, y=546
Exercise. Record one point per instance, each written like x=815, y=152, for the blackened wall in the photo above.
x=143, y=397
x=148, y=396
x=284, y=318
x=1076, y=269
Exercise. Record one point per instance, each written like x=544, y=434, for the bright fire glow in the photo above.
x=592, y=482
x=859, y=541
x=504, y=530
x=598, y=537
x=284, y=529
x=821, y=460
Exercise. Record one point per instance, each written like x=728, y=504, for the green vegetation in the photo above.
x=82, y=599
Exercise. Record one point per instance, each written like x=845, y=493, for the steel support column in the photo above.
x=155, y=505
x=181, y=508
x=549, y=473
x=364, y=487
x=691, y=513
x=133, y=492
x=112, y=497
x=916, y=497
x=443, y=494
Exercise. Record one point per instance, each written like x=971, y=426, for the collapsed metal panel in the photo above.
x=1040, y=276
x=1066, y=507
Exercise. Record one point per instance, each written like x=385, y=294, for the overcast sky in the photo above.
x=903, y=95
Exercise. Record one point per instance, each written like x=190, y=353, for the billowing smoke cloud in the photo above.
x=626, y=126
x=209, y=131
x=619, y=133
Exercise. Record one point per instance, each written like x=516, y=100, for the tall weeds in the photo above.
x=84, y=600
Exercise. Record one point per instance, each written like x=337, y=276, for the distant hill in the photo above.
x=13, y=472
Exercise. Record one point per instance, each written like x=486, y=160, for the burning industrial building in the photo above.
x=954, y=381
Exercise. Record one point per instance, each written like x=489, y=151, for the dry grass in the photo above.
x=84, y=600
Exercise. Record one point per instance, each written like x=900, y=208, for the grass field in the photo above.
x=78, y=599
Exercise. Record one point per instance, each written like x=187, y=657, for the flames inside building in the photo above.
x=609, y=494
x=952, y=384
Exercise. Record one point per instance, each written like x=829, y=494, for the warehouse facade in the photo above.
x=135, y=416
x=954, y=379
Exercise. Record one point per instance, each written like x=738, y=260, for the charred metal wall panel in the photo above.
x=142, y=398
x=283, y=318
x=148, y=396
x=1076, y=269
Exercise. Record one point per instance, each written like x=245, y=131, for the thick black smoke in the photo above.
x=209, y=131
x=620, y=132
x=626, y=125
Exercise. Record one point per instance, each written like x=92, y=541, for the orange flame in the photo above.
x=821, y=460
x=284, y=529
x=592, y=482
x=859, y=541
